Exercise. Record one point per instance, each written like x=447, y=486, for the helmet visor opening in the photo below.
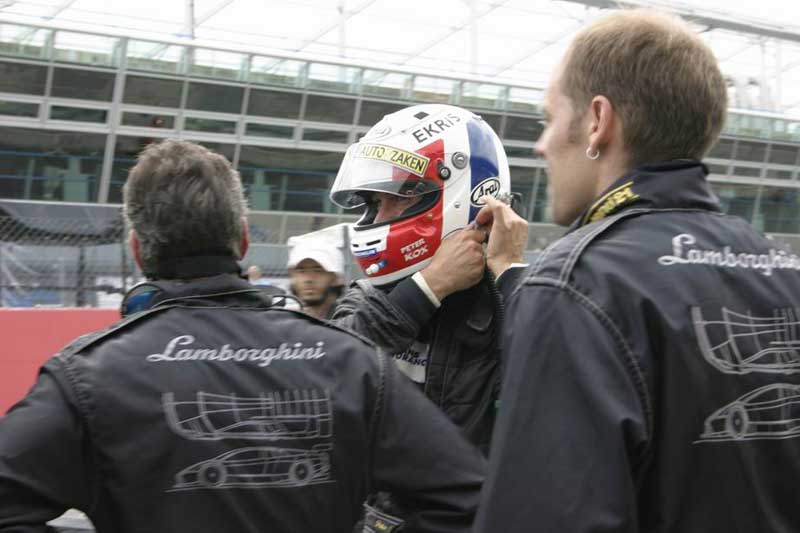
x=377, y=213
x=378, y=168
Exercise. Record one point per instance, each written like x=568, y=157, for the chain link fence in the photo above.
x=59, y=255
x=76, y=255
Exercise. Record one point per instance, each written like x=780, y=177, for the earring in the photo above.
x=593, y=156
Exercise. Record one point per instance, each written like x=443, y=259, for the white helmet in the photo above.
x=446, y=155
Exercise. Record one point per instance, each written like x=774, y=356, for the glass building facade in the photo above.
x=75, y=109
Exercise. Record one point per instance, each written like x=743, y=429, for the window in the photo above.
x=141, y=90
x=721, y=170
x=783, y=154
x=286, y=179
x=153, y=56
x=481, y=95
x=372, y=112
x=722, y=150
x=331, y=77
x=274, y=104
x=495, y=121
x=522, y=182
x=780, y=209
x=50, y=165
x=779, y=174
x=386, y=84
x=20, y=78
x=268, y=130
x=83, y=48
x=330, y=109
x=541, y=211
x=78, y=114
x=83, y=84
x=748, y=172
x=522, y=129
x=224, y=149
x=751, y=151
x=220, y=98
x=19, y=109
x=147, y=120
x=310, y=134
x=436, y=90
x=273, y=71
x=735, y=199
x=525, y=100
x=212, y=126
x=518, y=151
x=216, y=64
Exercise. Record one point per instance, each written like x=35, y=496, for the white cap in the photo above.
x=327, y=255
x=323, y=246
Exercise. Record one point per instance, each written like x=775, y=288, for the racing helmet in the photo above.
x=443, y=160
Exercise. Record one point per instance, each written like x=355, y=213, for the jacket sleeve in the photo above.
x=43, y=457
x=508, y=280
x=432, y=472
x=391, y=320
x=571, y=426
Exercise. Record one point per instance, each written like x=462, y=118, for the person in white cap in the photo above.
x=316, y=273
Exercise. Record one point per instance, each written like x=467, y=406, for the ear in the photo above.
x=133, y=238
x=602, y=122
x=244, y=240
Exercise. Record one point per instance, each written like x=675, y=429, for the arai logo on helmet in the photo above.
x=489, y=186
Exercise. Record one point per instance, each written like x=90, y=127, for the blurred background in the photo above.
x=282, y=87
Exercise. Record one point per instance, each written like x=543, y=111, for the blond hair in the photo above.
x=661, y=79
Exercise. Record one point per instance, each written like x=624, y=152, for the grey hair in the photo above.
x=183, y=200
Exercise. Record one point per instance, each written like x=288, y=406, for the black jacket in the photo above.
x=212, y=412
x=462, y=368
x=653, y=381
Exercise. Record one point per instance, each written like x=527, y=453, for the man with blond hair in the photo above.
x=652, y=380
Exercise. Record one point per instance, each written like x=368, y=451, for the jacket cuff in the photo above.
x=508, y=279
x=419, y=279
x=410, y=298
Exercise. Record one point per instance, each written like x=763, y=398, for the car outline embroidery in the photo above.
x=298, y=414
x=742, y=344
x=258, y=467
x=768, y=412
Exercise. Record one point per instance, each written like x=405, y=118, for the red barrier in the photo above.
x=32, y=336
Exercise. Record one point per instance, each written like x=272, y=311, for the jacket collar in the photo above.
x=675, y=184
x=195, y=266
x=212, y=290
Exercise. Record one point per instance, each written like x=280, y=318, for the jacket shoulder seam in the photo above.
x=632, y=367
x=375, y=419
x=563, y=254
x=84, y=341
x=366, y=288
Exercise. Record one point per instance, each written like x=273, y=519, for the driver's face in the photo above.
x=392, y=206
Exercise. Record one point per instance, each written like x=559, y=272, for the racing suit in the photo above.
x=212, y=412
x=450, y=352
x=653, y=379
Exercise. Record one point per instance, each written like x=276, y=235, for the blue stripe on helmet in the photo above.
x=483, y=157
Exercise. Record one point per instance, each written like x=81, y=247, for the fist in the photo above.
x=458, y=264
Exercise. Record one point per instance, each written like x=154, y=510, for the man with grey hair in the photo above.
x=207, y=410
